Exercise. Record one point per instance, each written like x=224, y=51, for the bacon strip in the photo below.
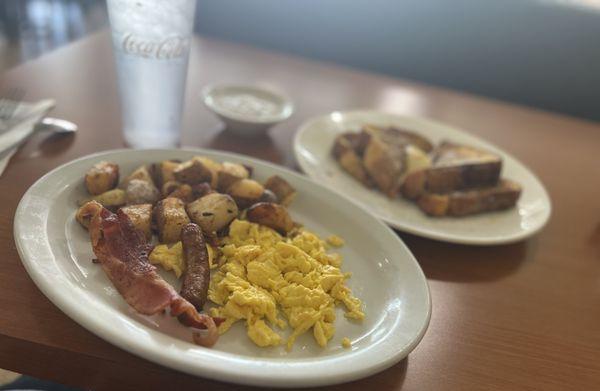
x=123, y=254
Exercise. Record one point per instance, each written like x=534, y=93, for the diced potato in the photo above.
x=102, y=177
x=283, y=190
x=183, y=191
x=163, y=172
x=170, y=217
x=200, y=190
x=214, y=168
x=192, y=172
x=141, y=192
x=169, y=187
x=271, y=215
x=229, y=173
x=141, y=217
x=245, y=192
x=268, y=196
x=86, y=212
x=213, y=212
x=141, y=173
x=111, y=199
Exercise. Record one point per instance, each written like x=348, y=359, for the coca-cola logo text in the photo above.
x=171, y=47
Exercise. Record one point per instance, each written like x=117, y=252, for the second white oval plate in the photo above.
x=57, y=254
x=312, y=146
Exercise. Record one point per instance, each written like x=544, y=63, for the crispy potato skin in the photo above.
x=200, y=190
x=268, y=196
x=245, y=192
x=169, y=187
x=102, y=177
x=170, y=217
x=141, y=217
x=192, y=172
x=213, y=212
x=183, y=191
x=281, y=188
x=163, y=172
x=271, y=215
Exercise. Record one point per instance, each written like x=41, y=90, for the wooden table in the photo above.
x=520, y=316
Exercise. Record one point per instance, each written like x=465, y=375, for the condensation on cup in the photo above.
x=151, y=43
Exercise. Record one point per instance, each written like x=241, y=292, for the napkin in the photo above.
x=20, y=126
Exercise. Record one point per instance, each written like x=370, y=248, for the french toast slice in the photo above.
x=385, y=163
x=394, y=135
x=391, y=154
x=346, y=150
x=455, y=167
x=503, y=195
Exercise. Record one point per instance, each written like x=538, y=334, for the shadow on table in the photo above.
x=390, y=379
x=594, y=239
x=262, y=147
x=462, y=263
x=49, y=145
x=31, y=383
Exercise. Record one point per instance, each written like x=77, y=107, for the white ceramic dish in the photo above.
x=57, y=255
x=312, y=146
x=247, y=110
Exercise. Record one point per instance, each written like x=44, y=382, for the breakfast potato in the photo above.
x=271, y=215
x=163, y=172
x=169, y=187
x=193, y=171
x=141, y=217
x=170, y=217
x=245, y=192
x=229, y=173
x=213, y=212
x=141, y=192
x=183, y=191
x=111, y=199
x=200, y=190
x=141, y=173
x=102, y=177
x=213, y=167
x=86, y=212
x=268, y=196
x=283, y=190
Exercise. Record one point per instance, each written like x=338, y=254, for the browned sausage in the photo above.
x=197, y=273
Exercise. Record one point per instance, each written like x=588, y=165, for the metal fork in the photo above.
x=10, y=103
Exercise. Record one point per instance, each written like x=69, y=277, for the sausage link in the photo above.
x=197, y=274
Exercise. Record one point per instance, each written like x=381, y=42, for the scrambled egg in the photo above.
x=273, y=281
x=346, y=343
x=335, y=241
x=170, y=257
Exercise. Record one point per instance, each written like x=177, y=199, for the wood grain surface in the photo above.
x=524, y=316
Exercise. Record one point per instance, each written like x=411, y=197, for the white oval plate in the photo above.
x=57, y=254
x=312, y=146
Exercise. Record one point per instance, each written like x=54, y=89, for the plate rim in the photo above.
x=425, y=233
x=71, y=307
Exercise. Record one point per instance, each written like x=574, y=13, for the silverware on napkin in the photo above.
x=22, y=125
